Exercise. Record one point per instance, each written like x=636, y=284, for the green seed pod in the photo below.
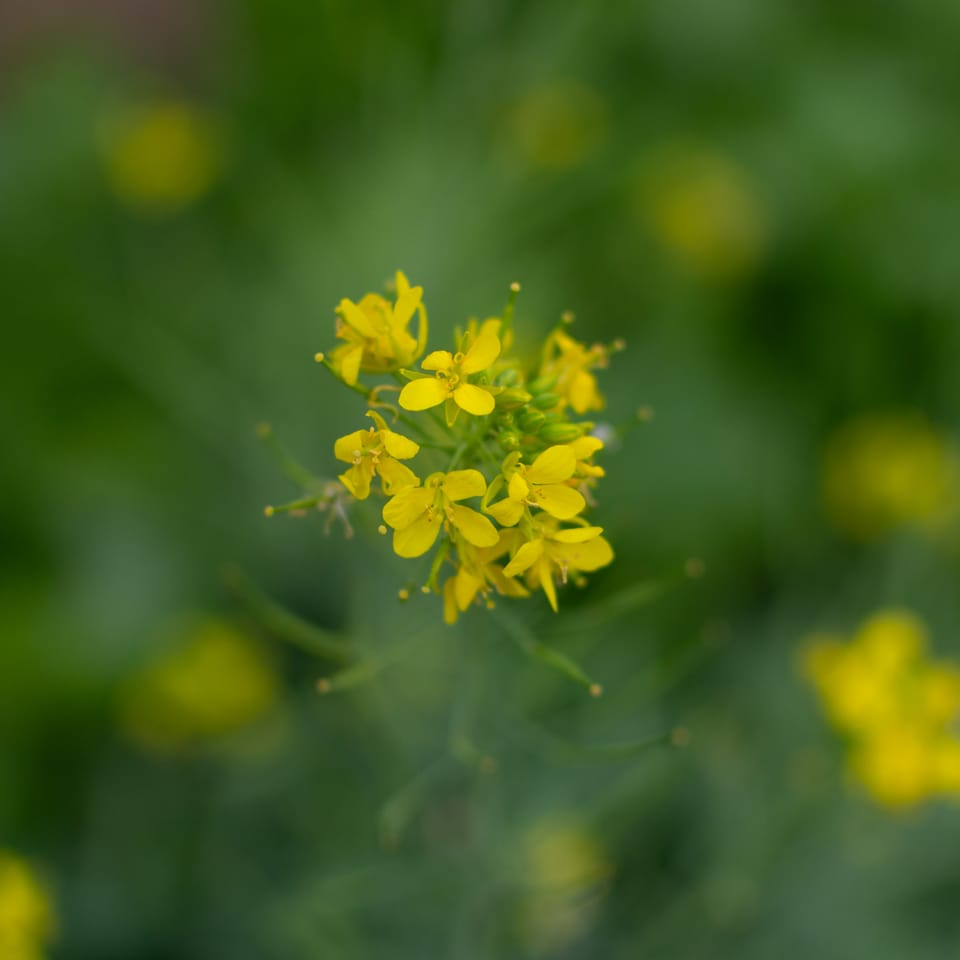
x=513, y=399
x=560, y=432
x=532, y=420
x=546, y=401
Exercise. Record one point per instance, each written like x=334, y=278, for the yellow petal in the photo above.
x=559, y=500
x=577, y=534
x=546, y=581
x=474, y=399
x=422, y=394
x=402, y=283
x=406, y=304
x=346, y=448
x=396, y=476
x=438, y=360
x=525, y=558
x=460, y=484
x=418, y=538
x=407, y=506
x=356, y=318
x=553, y=465
x=583, y=392
x=475, y=527
x=588, y=556
x=485, y=349
x=507, y=512
x=518, y=488
x=585, y=447
x=357, y=481
x=350, y=364
x=399, y=446
x=465, y=587
x=450, y=610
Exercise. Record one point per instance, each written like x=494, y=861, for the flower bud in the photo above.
x=560, y=432
x=513, y=398
x=542, y=384
x=509, y=440
x=546, y=401
x=532, y=420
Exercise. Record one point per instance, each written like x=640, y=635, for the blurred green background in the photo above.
x=763, y=199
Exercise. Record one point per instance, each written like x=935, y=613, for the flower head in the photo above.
x=416, y=514
x=567, y=551
x=450, y=382
x=478, y=574
x=542, y=485
x=375, y=333
x=377, y=450
x=571, y=362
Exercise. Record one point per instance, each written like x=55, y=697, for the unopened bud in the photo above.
x=560, y=432
x=532, y=420
x=542, y=384
x=509, y=440
x=513, y=399
x=546, y=401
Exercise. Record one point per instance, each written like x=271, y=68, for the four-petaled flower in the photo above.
x=571, y=550
x=571, y=362
x=378, y=450
x=477, y=573
x=376, y=333
x=541, y=485
x=417, y=514
x=450, y=383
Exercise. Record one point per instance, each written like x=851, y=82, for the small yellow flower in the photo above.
x=450, y=383
x=416, y=514
x=542, y=485
x=571, y=363
x=477, y=574
x=570, y=551
x=376, y=334
x=27, y=920
x=378, y=450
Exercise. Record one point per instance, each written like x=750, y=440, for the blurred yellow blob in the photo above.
x=213, y=682
x=566, y=874
x=703, y=210
x=555, y=127
x=27, y=920
x=161, y=157
x=895, y=706
x=885, y=472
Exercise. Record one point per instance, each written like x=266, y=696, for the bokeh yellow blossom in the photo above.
x=896, y=707
x=27, y=921
x=703, y=210
x=884, y=472
x=571, y=364
x=555, y=127
x=214, y=681
x=162, y=156
x=565, y=873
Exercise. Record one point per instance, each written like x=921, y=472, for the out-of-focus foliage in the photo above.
x=763, y=199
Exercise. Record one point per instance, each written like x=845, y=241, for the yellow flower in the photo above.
x=571, y=362
x=376, y=451
x=541, y=485
x=476, y=574
x=213, y=682
x=885, y=472
x=27, y=920
x=161, y=157
x=450, y=384
x=376, y=334
x=896, y=765
x=416, y=514
x=570, y=550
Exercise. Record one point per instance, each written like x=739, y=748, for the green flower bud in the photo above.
x=546, y=401
x=532, y=420
x=509, y=440
x=513, y=398
x=560, y=432
x=542, y=384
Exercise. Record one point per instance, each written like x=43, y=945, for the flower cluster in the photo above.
x=486, y=466
x=897, y=708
